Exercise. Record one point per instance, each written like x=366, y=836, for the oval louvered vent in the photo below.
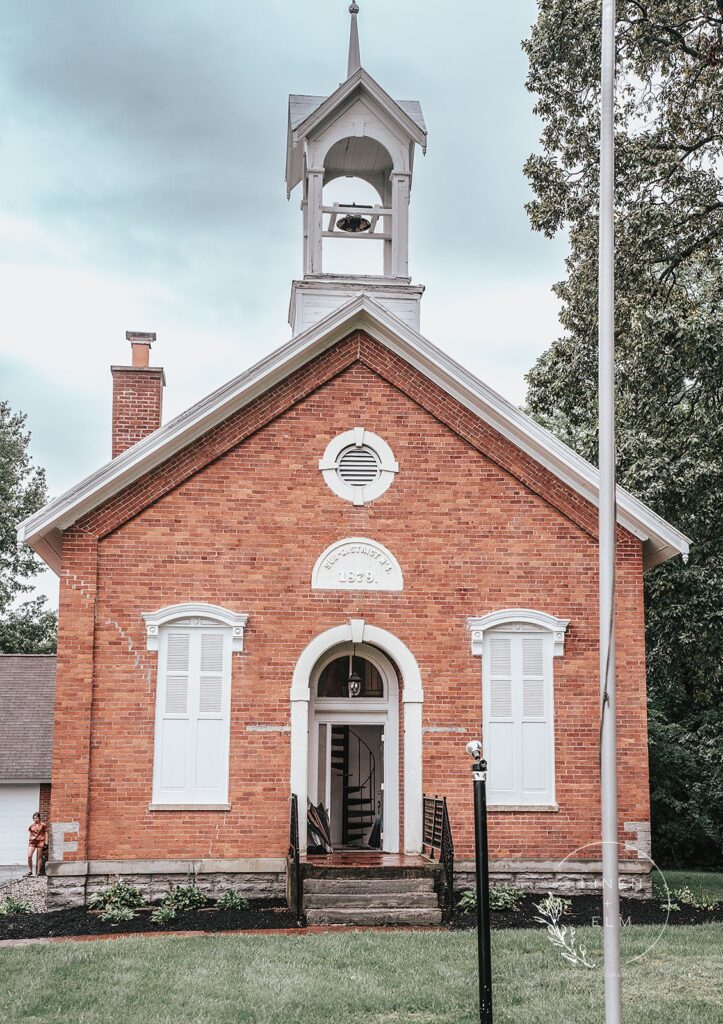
x=358, y=466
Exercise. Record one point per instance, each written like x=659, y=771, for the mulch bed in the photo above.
x=274, y=914
x=587, y=911
x=261, y=914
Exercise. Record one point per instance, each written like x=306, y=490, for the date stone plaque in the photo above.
x=357, y=564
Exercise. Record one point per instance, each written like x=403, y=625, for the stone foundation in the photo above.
x=71, y=884
x=572, y=878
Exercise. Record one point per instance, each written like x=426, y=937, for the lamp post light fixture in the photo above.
x=479, y=780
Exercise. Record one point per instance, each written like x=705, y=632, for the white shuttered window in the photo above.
x=518, y=717
x=192, y=715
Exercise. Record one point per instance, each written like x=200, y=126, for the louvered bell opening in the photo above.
x=358, y=466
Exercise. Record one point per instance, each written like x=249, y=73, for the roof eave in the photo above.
x=360, y=79
x=43, y=530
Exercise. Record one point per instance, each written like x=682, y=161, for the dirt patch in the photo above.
x=260, y=914
x=587, y=911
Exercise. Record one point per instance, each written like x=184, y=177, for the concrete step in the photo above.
x=365, y=918
x=372, y=901
x=369, y=886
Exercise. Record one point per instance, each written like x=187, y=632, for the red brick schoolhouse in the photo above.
x=326, y=577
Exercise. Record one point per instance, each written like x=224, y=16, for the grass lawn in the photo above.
x=365, y=978
x=710, y=882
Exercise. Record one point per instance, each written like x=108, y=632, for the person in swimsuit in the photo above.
x=36, y=844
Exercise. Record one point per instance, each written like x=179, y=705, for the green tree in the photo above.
x=29, y=627
x=669, y=339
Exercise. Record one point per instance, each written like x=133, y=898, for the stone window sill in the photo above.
x=189, y=807
x=549, y=808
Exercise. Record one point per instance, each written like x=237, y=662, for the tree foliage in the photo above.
x=669, y=342
x=27, y=627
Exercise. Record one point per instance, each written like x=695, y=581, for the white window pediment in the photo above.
x=195, y=614
x=518, y=620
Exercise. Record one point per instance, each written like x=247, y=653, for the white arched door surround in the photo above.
x=383, y=711
x=358, y=632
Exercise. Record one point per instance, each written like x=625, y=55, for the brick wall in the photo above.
x=238, y=520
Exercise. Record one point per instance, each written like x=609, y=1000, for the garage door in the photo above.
x=17, y=806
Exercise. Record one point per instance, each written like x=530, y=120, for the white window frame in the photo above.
x=192, y=617
x=358, y=436
x=516, y=623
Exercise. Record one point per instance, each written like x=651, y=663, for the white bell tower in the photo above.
x=357, y=132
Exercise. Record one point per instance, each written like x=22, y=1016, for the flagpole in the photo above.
x=607, y=521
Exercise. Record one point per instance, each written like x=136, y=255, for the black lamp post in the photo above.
x=479, y=777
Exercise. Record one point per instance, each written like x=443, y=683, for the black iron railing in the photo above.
x=437, y=839
x=294, y=890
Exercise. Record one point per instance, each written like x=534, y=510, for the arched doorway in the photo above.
x=353, y=764
x=358, y=632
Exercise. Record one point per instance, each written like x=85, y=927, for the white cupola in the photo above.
x=359, y=132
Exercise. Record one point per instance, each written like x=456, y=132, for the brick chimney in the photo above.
x=137, y=394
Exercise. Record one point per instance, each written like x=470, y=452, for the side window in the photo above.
x=517, y=700
x=192, y=714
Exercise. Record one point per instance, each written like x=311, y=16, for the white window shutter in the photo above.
x=211, y=679
x=519, y=717
x=500, y=677
x=501, y=732
x=192, y=730
x=210, y=754
x=175, y=726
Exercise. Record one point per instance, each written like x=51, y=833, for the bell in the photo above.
x=355, y=684
x=354, y=224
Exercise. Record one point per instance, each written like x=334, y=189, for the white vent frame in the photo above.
x=195, y=614
x=358, y=437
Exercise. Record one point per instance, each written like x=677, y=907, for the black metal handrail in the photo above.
x=437, y=837
x=295, y=895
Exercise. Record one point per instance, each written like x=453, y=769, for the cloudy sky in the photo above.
x=142, y=152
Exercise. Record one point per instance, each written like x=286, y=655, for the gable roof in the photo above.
x=43, y=530
x=306, y=113
x=27, y=706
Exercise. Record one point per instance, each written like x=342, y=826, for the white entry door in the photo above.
x=18, y=804
x=376, y=706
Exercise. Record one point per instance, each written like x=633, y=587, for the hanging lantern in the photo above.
x=354, y=682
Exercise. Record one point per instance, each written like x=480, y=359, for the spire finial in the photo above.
x=354, y=54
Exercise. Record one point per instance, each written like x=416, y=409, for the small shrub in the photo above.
x=505, y=897
x=467, y=901
x=115, y=913
x=120, y=894
x=502, y=897
x=163, y=914
x=10, y=905
x=232, y=901
x=186, y=897
x=698, y=901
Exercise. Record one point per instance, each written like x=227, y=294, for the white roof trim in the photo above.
x=361, y=79
x=41, y=530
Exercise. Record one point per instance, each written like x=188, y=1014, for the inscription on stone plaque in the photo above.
x=357, y=564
